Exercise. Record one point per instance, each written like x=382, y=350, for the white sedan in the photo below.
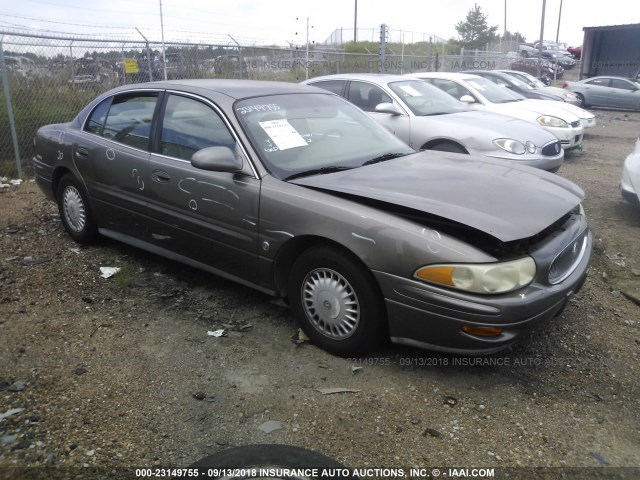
x=565, y=121
x=630, y=183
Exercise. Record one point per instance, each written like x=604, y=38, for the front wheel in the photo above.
x=75, y=211
x=581, y=98
x=337, y=302
x=270, y=461
x=448, y=147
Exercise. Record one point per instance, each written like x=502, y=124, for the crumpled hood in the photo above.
x=506, y=201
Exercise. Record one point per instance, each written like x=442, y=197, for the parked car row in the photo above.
x=567, y=122
x=426, y=118
x=295, y=191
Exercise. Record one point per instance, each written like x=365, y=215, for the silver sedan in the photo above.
x=426, y=118
x=612, y=92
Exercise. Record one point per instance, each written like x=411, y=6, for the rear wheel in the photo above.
x=336, y=301
x=75, y=211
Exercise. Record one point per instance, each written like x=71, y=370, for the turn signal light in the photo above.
x=482, y=331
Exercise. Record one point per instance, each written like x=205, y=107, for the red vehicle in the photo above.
x=575, y=51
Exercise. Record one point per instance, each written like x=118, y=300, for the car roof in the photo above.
x=609, y=76
x=375, y=77
x=233, y=88
x=447, y=75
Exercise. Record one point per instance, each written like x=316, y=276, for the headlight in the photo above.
x=531, y=147
x=549, y=121
x=487, y=278
x=510, y=145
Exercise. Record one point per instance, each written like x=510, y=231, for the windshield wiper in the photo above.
x=384, y=158
x=317, y=171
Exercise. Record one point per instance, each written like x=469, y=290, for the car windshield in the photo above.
x=424, y=99
x=316, y=133
x=532, y=81
x=519, y=83
x=494, y=93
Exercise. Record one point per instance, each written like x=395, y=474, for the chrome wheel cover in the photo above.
x=73, y=208
x=330, y=303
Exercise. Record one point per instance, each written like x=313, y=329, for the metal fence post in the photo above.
x=7, y=96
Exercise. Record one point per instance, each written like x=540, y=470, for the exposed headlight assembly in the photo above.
x=550, y=121
x=485, y=278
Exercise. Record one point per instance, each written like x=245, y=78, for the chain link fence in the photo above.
x=47, y=79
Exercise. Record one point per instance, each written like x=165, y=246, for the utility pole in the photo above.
x=355, y=23
x=164, y=57
x=544, y=5
x=383, y=47
x=559, y=17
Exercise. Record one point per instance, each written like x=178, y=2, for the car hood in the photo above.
x=542, y=107
x=506, y=201
x=483, y=125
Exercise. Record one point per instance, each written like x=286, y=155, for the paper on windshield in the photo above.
x=282, y=133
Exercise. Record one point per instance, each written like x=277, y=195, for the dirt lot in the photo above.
x=119, y=373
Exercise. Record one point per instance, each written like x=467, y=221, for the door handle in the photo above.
x=82, y=152
x=160, y=176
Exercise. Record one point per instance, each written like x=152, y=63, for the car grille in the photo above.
x=552, y=149
x=575, y=124
x=567, y=261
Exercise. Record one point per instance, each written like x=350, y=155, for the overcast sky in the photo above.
x=275, y=21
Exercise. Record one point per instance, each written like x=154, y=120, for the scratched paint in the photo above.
x=363, y=238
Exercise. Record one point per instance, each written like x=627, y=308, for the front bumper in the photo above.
x=588, y=122
x=628, y=193
x=431, y=317
x=570, y=137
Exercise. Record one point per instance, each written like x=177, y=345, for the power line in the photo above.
x=63, y=23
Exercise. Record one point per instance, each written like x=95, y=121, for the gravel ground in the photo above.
x=99, y=376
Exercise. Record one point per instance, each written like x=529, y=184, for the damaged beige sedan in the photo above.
x=297, y=193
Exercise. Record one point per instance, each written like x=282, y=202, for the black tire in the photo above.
x=75, y=211
x=267, y=456
x=581, y=98
x=448, y=147
x=337, y=302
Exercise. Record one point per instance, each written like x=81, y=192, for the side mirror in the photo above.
x=389, y=108
x=467, y=99
x=216, y=159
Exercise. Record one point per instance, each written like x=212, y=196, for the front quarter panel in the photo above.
x=381, y=240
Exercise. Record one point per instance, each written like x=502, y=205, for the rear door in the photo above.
x=112, y=155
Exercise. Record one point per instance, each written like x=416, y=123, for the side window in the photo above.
x=95, y=122
x=622, y=84
x=600, y=82
x=334, y=86
x=129, y=120
x=367, y=96
x=189, y=126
